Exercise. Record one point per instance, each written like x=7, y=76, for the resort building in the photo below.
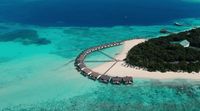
x=81, y=67
x=184, y=43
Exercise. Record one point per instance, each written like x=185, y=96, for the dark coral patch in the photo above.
x=24, y=36
x=3, y=27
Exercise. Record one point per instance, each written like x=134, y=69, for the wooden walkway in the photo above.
x=81, y=67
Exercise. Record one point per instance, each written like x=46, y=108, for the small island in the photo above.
x=175, y=52
x=175, y=56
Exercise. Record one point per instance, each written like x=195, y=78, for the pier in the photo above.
x=103, y=78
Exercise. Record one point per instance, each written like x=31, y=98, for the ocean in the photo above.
x=39, y=39
x=99, y=13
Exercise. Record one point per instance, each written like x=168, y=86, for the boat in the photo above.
x=178, y=24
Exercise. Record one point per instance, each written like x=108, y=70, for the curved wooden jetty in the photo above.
x=81, y=67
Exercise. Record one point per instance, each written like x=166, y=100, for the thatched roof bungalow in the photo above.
x=104, y=78
x=116, y=80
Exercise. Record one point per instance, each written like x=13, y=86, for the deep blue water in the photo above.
x=96, y=12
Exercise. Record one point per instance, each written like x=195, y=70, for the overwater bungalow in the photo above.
x=96, y=48
x=106, y=45
x=99, y=48
x=81, y=66
x=127, y=80
x=87, y=51
x=81, y=57
x=86, y=71
x=94, y=75
x=116, y=80
x=104, y=78
x=93, y=49
x=77, y=61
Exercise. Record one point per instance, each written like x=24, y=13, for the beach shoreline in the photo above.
x=121, y=71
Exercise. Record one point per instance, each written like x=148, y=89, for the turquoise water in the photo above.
x=42, y=77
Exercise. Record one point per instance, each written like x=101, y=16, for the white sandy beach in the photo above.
x=121, y=71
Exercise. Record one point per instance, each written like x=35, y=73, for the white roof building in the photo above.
x=184, y=43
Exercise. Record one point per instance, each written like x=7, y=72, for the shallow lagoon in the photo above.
x=42, y=77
